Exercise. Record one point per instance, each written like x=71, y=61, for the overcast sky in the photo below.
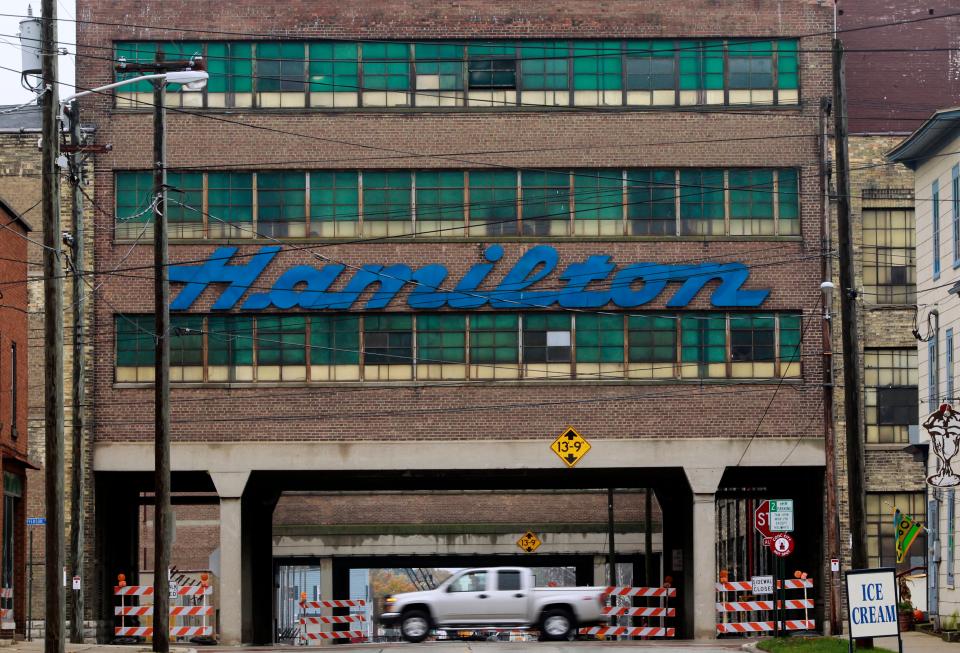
x=10, y=90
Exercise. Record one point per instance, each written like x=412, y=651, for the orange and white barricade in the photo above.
x=7, y=621
x=748, y=614
x=194, y=618
x=653, y=616
x=311, y=625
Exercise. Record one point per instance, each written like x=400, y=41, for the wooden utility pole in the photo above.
x=161, y=289
x=52, y=335
x=850, y=329
x=77, y=448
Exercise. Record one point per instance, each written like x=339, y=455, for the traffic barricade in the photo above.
x=192, y=615
x=741, y=612
x=309, y=621
x=7, y=621
x=652, y=618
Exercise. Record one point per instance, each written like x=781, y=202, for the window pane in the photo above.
x=388, y=339
x=599, y=338
x=596, y=65
x=185, y=197
x=652, y=339
x=135, y=52
x=701, y=202
x=281, y=200
x=440, y=195
x=439, y=66
x=135, y=340
x=751, y=64
x=186, y=340
x=280, y=67
x=386, y=66
x=889, y=267
x=134, y=191
x=546, y=338
x=281, y=340
x=752, y=337
x=230, y=197
x=493, y=200
x=494, y=338
x=333, y=198
x=650, y=65
x=544, y=65
x=651, y=202
x=334, y=340
x=230, y=340
x=386, y=196
x=703, y=340
x=333, y=67
x=546, y=199
x=441, y=339
x=890, y=393
x=598, y=194
x=492, y=65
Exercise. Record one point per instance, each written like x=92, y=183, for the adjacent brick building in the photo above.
x=412, y=242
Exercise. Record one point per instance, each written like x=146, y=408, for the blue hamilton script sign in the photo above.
x=307, y=287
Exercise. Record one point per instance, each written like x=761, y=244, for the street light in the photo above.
x=193, y=78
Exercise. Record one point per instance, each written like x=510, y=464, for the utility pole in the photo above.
x=53, y=335
x=648, y=537
x=77, y=448
x=161, y=289
x=829, y=432
x=849, y=325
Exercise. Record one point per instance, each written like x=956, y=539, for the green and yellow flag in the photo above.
x=907, y=531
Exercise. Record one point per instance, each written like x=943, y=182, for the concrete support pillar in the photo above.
x=704, y=483
x=326, y=591
x=600, y=571
x=230, y=487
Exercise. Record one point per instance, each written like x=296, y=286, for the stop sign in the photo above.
x=761, y=520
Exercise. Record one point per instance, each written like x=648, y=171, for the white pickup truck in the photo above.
x=496, y=597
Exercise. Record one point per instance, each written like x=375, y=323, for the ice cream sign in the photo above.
x=594, y=282
x=872, y=603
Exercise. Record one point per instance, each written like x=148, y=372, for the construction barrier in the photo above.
x=748, y=614
x=306, y=636
x=133, y=592
x=661, y=611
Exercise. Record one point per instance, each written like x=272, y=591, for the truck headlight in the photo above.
x=390, y=599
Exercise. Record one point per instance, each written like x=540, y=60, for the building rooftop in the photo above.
x=27, y=119
x=924, y=142
x=14, y=216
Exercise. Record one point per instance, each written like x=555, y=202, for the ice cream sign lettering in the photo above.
x=308, y=287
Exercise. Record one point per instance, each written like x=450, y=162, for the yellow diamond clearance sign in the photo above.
x=570, y=447
x=529, y=542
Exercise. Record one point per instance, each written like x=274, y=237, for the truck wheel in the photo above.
x=556, y=624
x=414, y=626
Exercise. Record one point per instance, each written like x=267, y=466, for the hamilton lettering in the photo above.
x=308, y=287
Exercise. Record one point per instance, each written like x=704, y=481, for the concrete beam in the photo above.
x=230, y=484
x=245, y=456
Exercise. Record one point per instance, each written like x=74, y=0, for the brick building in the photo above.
x=412, y=242
x=889, y=94
x=20, y=188
x=13, y=418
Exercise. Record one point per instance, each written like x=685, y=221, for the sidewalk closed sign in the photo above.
x=872, y=603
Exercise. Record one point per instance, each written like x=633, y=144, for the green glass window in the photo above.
x=134, y=195
x=651, y=339
x=135, y=52
x=651, y=202
x=544, y=65
x=546, y=197
x=333, y=67
x=787, y=65
x=388, y=339
x=597, y=65
x=650, y=65
x=751, y=64
x=439, y=66
x=788, y=201
x=751, y=194
x=701, y=65
x=334, y=340
x=599, y=338
x=386, y=67
x=180, y=51
x=229, y=340
x=186, y=340
x=493, y=200
x=441, y=339
x=230, y=66
x=386, y=196
x=752, y=337
x=439, y=195
x=546, y=338
x=701, y=201
x=281, y=200
x=280, y=67
x=790, y=332
x=494, y=338
x=334, y=196
x=491, y=65
x=135, y=340
x=185, y=197
x=703, y=338
x=281, y=340
x=230, y=196
x=598, y=194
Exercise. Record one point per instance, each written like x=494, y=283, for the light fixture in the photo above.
x=827, y=289
x=193, y=80
x=954, y=289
